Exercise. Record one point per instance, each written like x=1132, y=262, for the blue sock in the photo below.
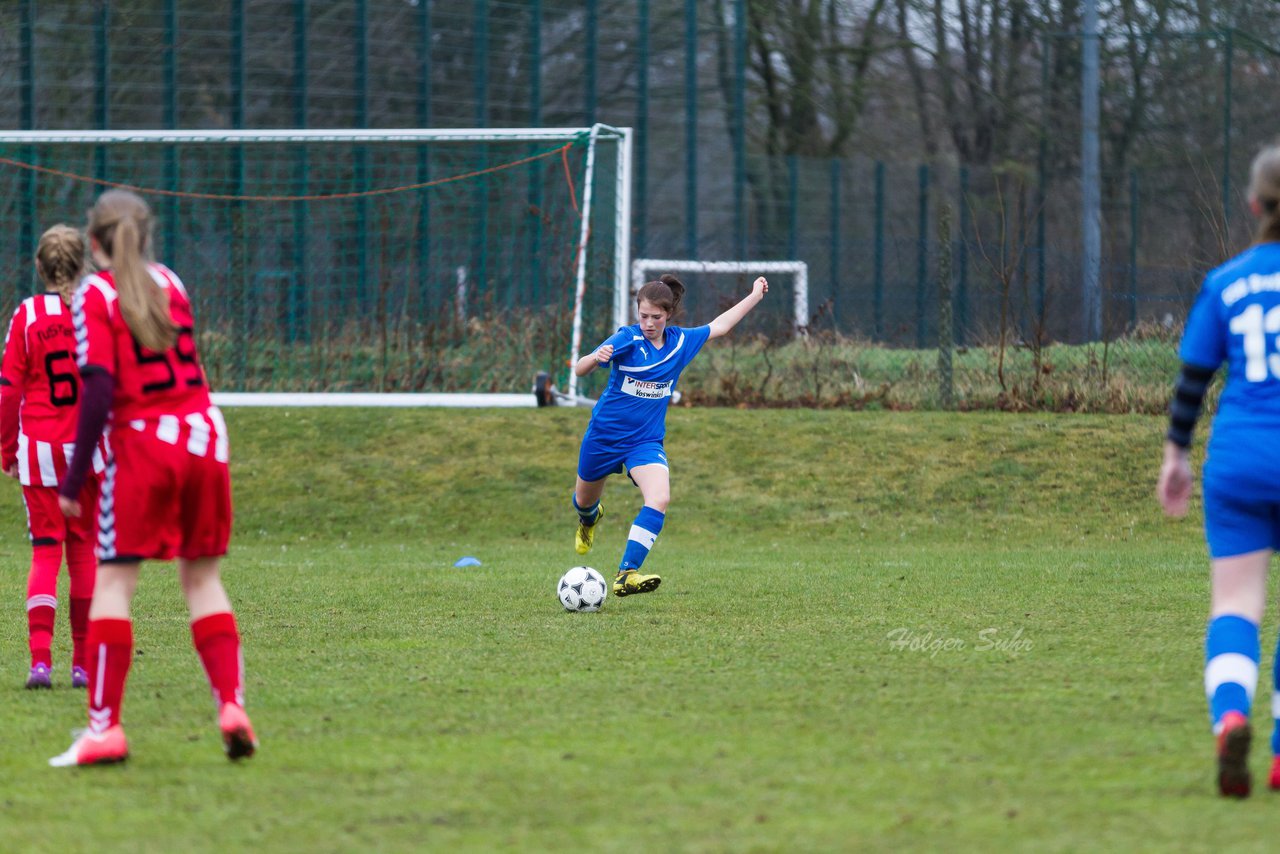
x=644, y=531
x=589, y=515
x=1231, y=665
x=1275, y=703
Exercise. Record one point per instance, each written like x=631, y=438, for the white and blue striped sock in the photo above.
x=644, y=532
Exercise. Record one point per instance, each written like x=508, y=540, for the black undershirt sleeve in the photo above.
x=97, y=389
x=1188, y=399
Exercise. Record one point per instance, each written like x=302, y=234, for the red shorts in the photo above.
x=161, y=501
x=45, y=521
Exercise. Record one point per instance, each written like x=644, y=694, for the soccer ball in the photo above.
x=581, y=589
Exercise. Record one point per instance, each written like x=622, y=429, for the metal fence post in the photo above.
x=739, y=128
x=691, y=128
x=922, y=255
x=361, y=47
x=535, y=120
x=793, y=203
x=27, y=228
x=946, y=339
x=1042, y=169
x=171, y=121
x=591, y=35
x=641, y=174
x=833, y=250
x=1226, y=131
x=1133, y=247
x=299, y=326
x=962, y=250
x=877, y=278
x=423, y=244
x=239, y=234
x=480, y=52
x=102, y=98
x=26, y=59
x=480, y=192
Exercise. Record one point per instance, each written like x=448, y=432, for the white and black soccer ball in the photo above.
x=582, y=589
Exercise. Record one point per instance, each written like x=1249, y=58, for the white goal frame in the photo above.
x=642, y=268
x=621, y=225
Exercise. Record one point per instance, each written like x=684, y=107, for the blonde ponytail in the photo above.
x=60, y=260
x=121, y=223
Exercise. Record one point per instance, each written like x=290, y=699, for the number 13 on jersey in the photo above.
x=1255, y=325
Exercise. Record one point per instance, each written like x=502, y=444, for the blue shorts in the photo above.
x=1236, y=524
x=597, y=461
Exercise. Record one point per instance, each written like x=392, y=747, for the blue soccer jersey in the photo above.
x=1236, y=319
x=633, y=408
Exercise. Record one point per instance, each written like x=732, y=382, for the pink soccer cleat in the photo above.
x=237, y=733
x=1233, y=756
x=92, y=748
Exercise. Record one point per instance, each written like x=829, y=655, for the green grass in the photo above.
x=757, y=701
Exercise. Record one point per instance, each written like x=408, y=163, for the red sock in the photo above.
x=218, y=644
x=82, y=565
x=42, y=600
x=79, y=629
x=110, y=651
x=40, y=633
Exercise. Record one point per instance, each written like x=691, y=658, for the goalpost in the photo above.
x=379, y=267
x=643, y=268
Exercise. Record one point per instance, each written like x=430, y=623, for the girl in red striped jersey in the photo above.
x=39, y=401
x=166, y=492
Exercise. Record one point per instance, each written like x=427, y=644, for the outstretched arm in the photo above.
x=725, y=322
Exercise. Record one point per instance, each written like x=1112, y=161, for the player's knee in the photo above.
x=195, y=574
x=658, y=502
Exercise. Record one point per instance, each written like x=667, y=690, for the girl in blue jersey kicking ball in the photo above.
x=1235, y=319
x=629, y=421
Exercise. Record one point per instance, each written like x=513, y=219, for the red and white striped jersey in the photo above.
x=39, y=363
x=148, y=385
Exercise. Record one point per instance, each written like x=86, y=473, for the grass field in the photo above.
x=877, y=630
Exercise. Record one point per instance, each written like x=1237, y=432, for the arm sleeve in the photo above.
x=1188, y=398
x=10, y=409
x=13, y=370
x=95, y=405
x=91, y=319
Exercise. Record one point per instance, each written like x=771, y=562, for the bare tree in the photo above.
x=808, y=64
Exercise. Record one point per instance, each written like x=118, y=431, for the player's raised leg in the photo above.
x=217, y=641
x=654, y=481
x=1231, y=662
x=586, y=501
x=110, y=652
